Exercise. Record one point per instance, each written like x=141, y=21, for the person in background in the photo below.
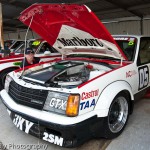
x=29, y=58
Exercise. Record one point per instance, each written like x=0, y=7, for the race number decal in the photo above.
x=143, y=77
x=53, y=139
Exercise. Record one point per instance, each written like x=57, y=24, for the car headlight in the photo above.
x=62, y=103
x=7, y=82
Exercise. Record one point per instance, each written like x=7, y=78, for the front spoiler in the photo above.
x=61, y=135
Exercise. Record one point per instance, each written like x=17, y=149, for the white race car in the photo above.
x=88, y=93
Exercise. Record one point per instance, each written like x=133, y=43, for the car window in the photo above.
x=20, y=49
x=144, y=51
x=17, y=44
x=128, y=46
x=46, y=47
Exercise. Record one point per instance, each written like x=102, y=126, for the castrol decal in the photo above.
x=91, y=94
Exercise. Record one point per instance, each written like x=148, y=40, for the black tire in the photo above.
x=3, y=76
x=117, y=116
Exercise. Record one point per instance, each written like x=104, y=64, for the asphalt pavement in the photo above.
x=137, y=133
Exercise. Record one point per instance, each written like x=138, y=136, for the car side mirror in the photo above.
x=47, y=53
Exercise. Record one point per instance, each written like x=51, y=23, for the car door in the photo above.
x=143, y=63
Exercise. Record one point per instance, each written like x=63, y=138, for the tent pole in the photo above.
x=141, y=25
x=1, y=28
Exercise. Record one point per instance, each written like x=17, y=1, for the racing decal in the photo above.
x=87, y=104
x=58, y=103
x=36, y=43
x=121, y=38
x=130, y=73
x=143, y=77
x=31, y=13
x=131, y=40
x=22, y=123
x=131, y=43
x=75, y=41
x=86, y=95
x=53, y=139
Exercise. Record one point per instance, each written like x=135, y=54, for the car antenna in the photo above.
x=26, y=44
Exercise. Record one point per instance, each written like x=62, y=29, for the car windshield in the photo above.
x=46, y=47
x=34, y=44
x=128, y=45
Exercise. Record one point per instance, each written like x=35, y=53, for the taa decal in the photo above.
x=143, y=77
x=21, y=122
x=53, y=139
x=87, y=104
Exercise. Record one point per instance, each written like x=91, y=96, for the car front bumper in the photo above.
x=65, y=135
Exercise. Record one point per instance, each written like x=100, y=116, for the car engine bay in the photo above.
x=67, y=74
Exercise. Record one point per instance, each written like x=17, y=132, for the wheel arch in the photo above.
x=3, y=74
x=110, y=92
x=9, y=68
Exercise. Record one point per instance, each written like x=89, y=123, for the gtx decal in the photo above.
x=21, y=122
x=86, y=95
x=143, y=77
x=75, y=41
x=58, y=103
x=87, y=104
x=53, y=139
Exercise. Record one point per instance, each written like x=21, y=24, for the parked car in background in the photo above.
x=13, y=60
x=90, y=91
x=12, y=44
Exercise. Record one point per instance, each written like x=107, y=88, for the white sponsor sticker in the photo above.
x=19, y=122
x=53, y=139
x=58, y=103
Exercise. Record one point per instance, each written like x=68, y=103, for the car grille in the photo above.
x=26, y=96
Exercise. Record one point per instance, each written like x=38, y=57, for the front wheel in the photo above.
x=117, y=116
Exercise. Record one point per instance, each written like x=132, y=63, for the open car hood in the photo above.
x=71, y=29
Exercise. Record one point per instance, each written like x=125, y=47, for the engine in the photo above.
x=66, y=74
